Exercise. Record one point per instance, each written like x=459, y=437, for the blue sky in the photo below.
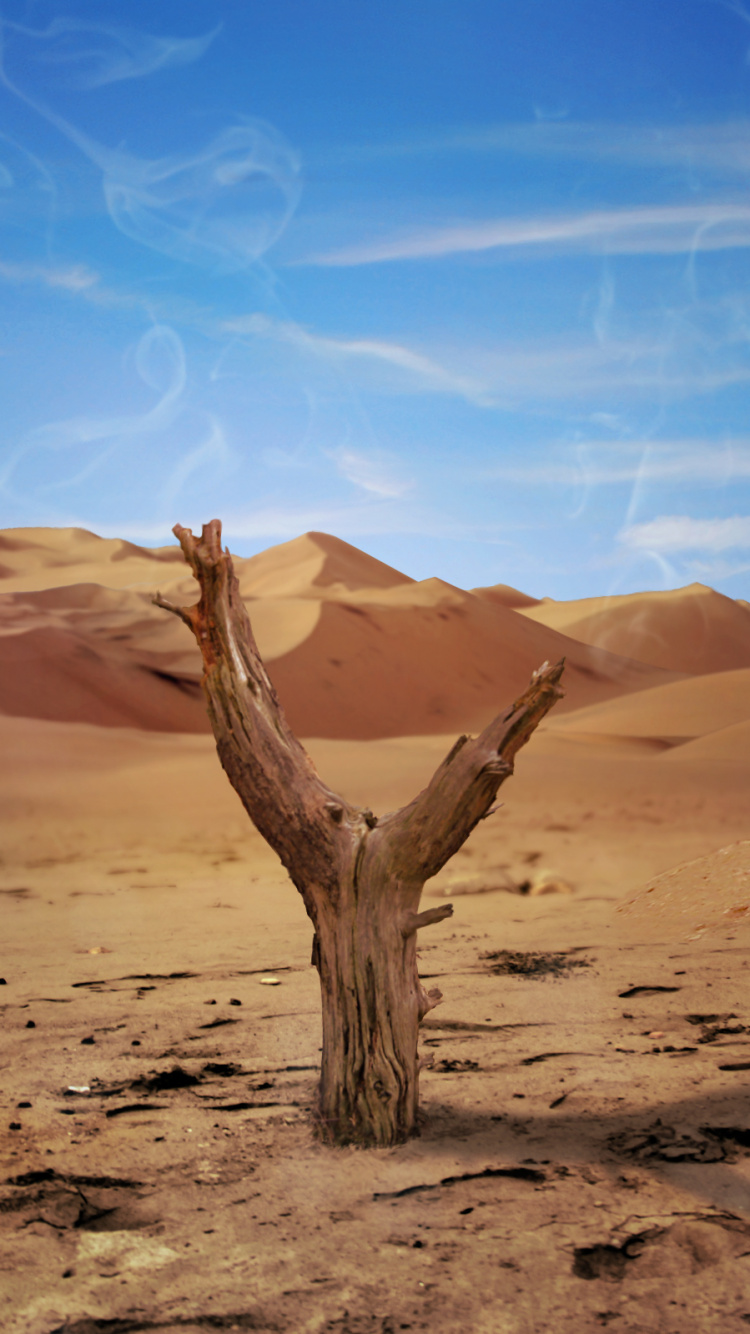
x=466, y=284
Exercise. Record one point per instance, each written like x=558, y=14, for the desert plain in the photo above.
x=584, y=1156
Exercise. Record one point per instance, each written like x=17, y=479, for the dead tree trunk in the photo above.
x=360, y=877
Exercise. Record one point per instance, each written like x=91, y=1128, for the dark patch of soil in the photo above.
x=176, y=1078
x=610, y=1262
x=516, y=963
x=137, y=1324
x=663, y=1143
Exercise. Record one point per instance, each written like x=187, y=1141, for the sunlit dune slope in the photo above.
x=676, y=713
x=696, y=893
x=315, y=565
x=691, y=629
x=430, y=658
x=728, y=743
x=355, y=648
x=504, y=595
x=109, y=656
x=35, y=558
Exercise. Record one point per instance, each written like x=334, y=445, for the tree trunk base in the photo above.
x=372, y=1004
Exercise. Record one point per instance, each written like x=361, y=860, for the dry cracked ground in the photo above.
x=583, y=1162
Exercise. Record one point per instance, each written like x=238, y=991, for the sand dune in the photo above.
x=430, y=658
x=34, y=558
x=677, y=712
x=691, y=629
x=314, y=565
x=51, y=673
x=719, y=881
x=506, y=596
x=726, y=743
x=355, y=648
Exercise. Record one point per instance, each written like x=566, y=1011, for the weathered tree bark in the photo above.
x=360, y=877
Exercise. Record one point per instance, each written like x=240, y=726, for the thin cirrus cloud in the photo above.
x=81, y=282
x=563, y=371
x=668, y=229
x=90, y=55
x=678, y=532
x=412, y=370
x=75, y=278
x=371, y=473
x=219, y=205
x=505, y=376
x=91, y=441
x=87, y=445
x=600, y=463
x=721, y=148
x=372, y=517
x=502, y=376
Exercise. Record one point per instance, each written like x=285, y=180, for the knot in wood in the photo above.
x=497, y=767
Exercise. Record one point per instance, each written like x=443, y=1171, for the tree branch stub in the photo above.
x=414, y=921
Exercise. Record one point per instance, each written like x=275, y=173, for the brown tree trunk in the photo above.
x=360, y=878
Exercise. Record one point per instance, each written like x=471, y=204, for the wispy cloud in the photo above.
x=220, y=205
x=719, y=148
x=669, y=229
x=278, y=523
x=91, y=441
x=602, y=463
x=677, y=532
x=416, y=366
x=716, y=570
x=60, y=458
x=372, y=472
x=500, y=375
x=90, y=55
x=413, y=369
x=79, y=280
x=211, y=457
x=506, y=375
x=590, y=372
x=75, y=278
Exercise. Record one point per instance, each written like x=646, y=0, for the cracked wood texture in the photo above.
x=360, y=878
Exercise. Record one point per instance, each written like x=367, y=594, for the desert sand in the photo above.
x=691, y=629
x=584, y=1154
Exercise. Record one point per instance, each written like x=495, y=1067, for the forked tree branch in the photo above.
x=425, y=834
x=315, y=831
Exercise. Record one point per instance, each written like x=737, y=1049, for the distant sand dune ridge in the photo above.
x=691, y=629
x=355, y=648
